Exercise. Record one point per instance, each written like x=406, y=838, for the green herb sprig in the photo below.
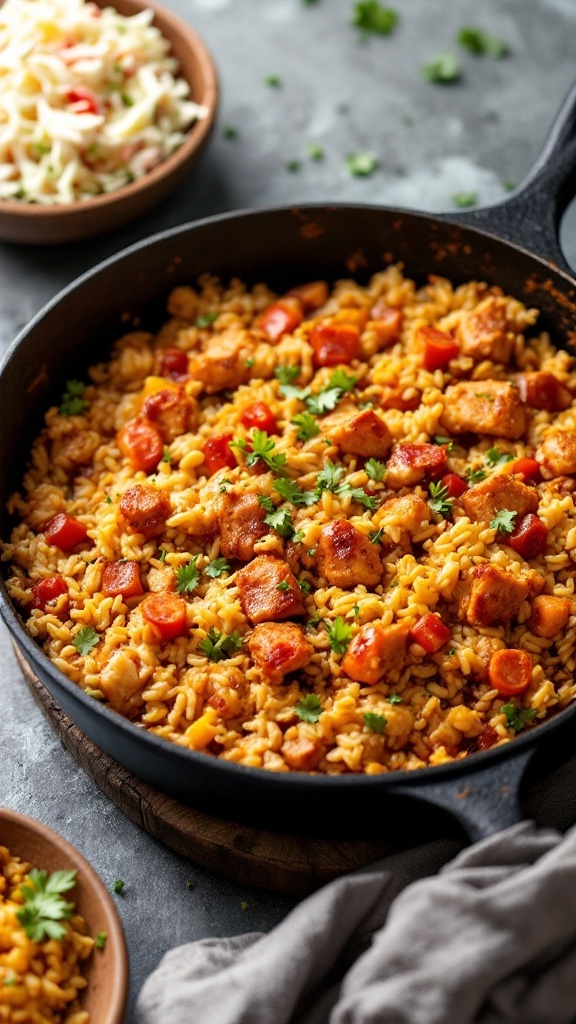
x=44, y=906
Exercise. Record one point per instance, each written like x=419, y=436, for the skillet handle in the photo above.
x=483, y=801
x=531, y=216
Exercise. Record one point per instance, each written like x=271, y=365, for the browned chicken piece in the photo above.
x=269, y=591
x=491, y=407
x=495, y=596
x=557, y=453
x=410, y=463
x=410, y=512
x=484, y=333
x=80, y=447
x=500, y=491
x=346, y=557
x=278, y=648
x=375, y=652
x=241, y=524
x=358, y=431
x=225, y=363
x=173, y=412
x=145, y=509
x=161, y=580
x=302, y=752
x=549, y=615
x=542, y=391
x=121, y=684
x=183, y=302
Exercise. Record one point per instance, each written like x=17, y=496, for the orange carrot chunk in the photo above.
x=510, y=671
x=65, y=531
x=311, y=295
x=122, y=577
x=142, y=444
x=335, y=343
x=46, y=591
x=439, y=348
x=166, y=613
x=282, y=317
x=430, y=632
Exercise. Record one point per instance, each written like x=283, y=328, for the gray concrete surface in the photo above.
x=344, y=94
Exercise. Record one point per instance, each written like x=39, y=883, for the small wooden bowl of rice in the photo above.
x=81, y=978
x=109, y=107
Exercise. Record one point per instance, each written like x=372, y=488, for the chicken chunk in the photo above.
x=279, y=648
x=346, y=557
x=145, y=509
x=484, y=333
x=491, y=407
x=161, y=580
x=173, y=412
x=495, y=596
x=121, y=684
x=410, y=463
x=225, y=363
x=549, y=615
x=409, y=512
x=358, y=432
x=542, y=391
x=557, y=453
x=500, y=491
x=269, y=591
x=241, y=524
x=302, y=749
x=376, y=651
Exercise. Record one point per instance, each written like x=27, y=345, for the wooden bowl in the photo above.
x=70, y=222
x=106, y=970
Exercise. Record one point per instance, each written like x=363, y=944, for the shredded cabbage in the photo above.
x=90, y=100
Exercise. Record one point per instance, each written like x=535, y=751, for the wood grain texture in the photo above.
x=294, y=865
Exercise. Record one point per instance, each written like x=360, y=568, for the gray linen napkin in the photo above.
x=486, y=935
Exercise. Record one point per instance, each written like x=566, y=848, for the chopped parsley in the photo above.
x=517, y=718
x=464, y=199
x=323, y=401
x=218, y=646
x=119, y=887
x=315, y=152
x=375, y=470
x=474, y=475
x=249, y=363
x=280, y=519
x=100, y=939
x=73, y=402
x=216, y=568
x=307, y=426
x=261, y=447
x=205, y=319
x=375, y=723
x=293, y=166
x=339, y=635
x=108, y=499
x=188, y=576
x=439, y=501
x=357, y=494
x=290, y=491
x=394, y=698
x=273, y=80
x=283, y=586
x=162, y=554
x=44, y=906
x=85, y=640
x=494, y=457
x=504, y=521
x=167, y=457
x=229, y=132
x=305, y=586
x=362, y=163
x=376, y=537
x=329, y=478
x=371, y=17
x=286, y=374
x=481, y=44
x=442, y=68
x=440, y=439
x=309, y=708
x=341, y=379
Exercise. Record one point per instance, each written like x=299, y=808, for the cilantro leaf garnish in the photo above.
x=205, y=319
x=329, y=478
x=85, y=640
x=439, y=439
x=341, y=379
x=464, y=199
x=339, y=635
x=305, y=586
x=394, y=698
x=362, y=163
x=357, y=494
x=375, y=470
x=119, y=886
x=216, y=568
x=481, y=43
x=281, y=521
x=286, y=374
x=494, y=457
x=503, y=521
x=307, y=426
x=100, y=939
x=261, y=447
x=517, y=718
x=218, y=646
x=188, y=576
x=289, y=490
x=283, y=585
x=309, y=708
x=376, y=537
x=439, y=501
x=474, y=475
x=44, y=906
x=374, y=722
x=444, y=67
x=370, y=16
x=73, y=402
x=323, y=401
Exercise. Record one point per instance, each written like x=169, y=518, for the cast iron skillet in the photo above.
x=514, y=244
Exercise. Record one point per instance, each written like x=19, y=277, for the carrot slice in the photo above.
x=510, y=671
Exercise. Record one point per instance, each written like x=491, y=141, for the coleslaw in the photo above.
x=90, y=100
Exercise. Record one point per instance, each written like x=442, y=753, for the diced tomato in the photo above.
x=218, y=453
x=46, y=591
x=65, y=531
x=454, y=485
x=174, y=363
x=386, y=321
x=282, y=317
x=312, y=295
x=510, y=671
x=430, y=632
x=122, y=577
x=430, y=458
x=166, y=613
x=527, y=469
x=259, y=415
x=83, y=100
x=487, y=738
x=142, y=443
x=334, y=343
x=439, y=348
x=529, y=537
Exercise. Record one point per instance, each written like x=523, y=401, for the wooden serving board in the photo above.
x=294, y=865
